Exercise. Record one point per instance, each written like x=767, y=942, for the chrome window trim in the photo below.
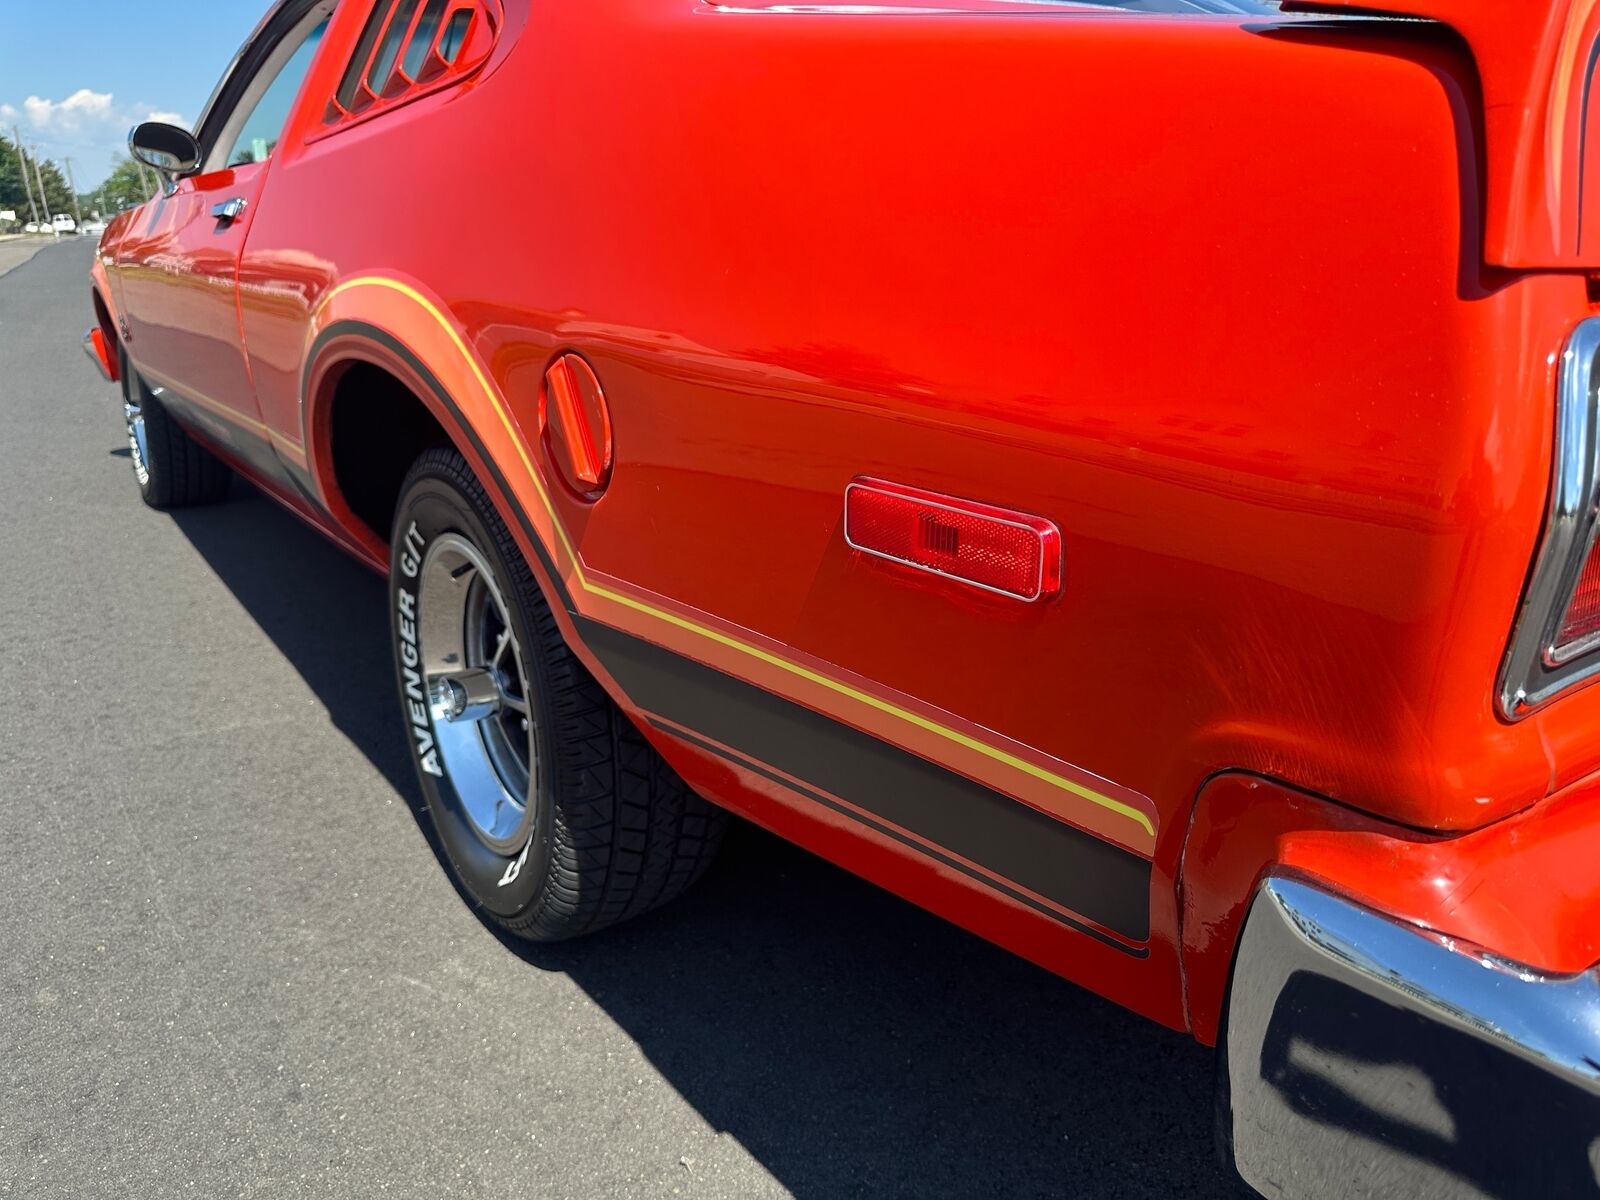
x=278, y=20
x=1537, y=668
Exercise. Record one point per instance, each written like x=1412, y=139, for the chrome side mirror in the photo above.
x=170, y=150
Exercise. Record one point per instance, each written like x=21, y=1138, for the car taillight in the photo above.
x=1556, y=644
x=1582, y=620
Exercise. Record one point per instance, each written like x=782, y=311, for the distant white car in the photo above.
x=93, y=226
x=63, y=223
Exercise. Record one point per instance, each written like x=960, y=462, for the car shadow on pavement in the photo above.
x=854, y=1044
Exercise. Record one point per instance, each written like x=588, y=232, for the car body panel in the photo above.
x=1294, y=432
x=1524, y=889
x=1537, y=63
x=178, y=266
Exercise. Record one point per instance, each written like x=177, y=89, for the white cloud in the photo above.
x=90, y=127
x=87, y=123
x=70, y=116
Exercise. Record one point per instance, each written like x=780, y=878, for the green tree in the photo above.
x=13, y=195
x=123, y=188
x=58, y=196
x=126, y=186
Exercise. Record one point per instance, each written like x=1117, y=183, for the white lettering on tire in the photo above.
x=411, y=553
x=514, y=868
x=411, y=673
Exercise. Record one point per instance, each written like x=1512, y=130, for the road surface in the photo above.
x=231, y=965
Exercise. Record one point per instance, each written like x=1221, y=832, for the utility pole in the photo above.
x=27, y=186
x=73, y=184
x=44, y=196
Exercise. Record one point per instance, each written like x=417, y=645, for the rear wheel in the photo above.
x=558, y=818
x=172, y=469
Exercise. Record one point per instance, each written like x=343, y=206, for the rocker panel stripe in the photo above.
x=1108, y=885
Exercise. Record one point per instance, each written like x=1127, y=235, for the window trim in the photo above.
x=281, y=20
x=249, y=96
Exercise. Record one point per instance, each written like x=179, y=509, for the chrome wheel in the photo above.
x=478, y=692
x=138, y=446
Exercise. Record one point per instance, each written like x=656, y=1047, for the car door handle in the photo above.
x=230, y=210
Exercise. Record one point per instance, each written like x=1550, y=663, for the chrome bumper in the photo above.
x=1367, y=1058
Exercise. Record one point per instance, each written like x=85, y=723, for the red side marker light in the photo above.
x=1013, y=553
x=575, y=423
x=99, y=352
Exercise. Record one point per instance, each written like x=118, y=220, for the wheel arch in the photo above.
x=100, y=294
x=373, y=426
x=416, y=377
x=103, y=318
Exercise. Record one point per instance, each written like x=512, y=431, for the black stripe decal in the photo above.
x=373, y=334
x=891, y=832
x=1081, y=872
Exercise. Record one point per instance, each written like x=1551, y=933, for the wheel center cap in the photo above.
x=449, y=700
x=464, y=695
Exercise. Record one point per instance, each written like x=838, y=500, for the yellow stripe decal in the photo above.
x=833, y=685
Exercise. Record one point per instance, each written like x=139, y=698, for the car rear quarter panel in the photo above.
x=1207, y=295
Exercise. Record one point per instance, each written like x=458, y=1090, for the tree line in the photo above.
x=127, y=184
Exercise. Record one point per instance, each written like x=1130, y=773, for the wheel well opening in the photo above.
x=378, y=429
x=102, y=316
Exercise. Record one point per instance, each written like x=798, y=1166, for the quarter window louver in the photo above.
x=394, y=36
x=409, y=48
x=422, y=39
x=349, y=94
x=455, y=35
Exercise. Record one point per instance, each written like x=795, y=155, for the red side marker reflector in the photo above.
x=576, y=423
x=97, y=349
x=1013, y=553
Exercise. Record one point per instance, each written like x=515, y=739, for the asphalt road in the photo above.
x=14, y=251
x=230, y=963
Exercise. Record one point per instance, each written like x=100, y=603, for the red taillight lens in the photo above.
x=1013, y=553
x=1582, y=620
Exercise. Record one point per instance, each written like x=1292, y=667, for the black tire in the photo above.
x=615, y=831
x=173, y=471
x=1222, y=1116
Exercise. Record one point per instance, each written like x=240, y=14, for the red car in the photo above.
x=1119, y=475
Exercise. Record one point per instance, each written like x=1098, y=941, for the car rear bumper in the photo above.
x=1367, y=1057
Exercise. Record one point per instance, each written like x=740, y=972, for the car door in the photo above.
x=180, y=262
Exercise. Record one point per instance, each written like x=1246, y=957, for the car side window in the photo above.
x=259, y=133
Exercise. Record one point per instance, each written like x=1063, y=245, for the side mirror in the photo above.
x=170, y=150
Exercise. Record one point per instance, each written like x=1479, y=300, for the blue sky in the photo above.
x=74, y=84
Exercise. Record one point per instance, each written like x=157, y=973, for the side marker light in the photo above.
x=1000, y=550
x=575, y=423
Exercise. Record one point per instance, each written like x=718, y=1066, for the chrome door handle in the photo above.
x=230, y=210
